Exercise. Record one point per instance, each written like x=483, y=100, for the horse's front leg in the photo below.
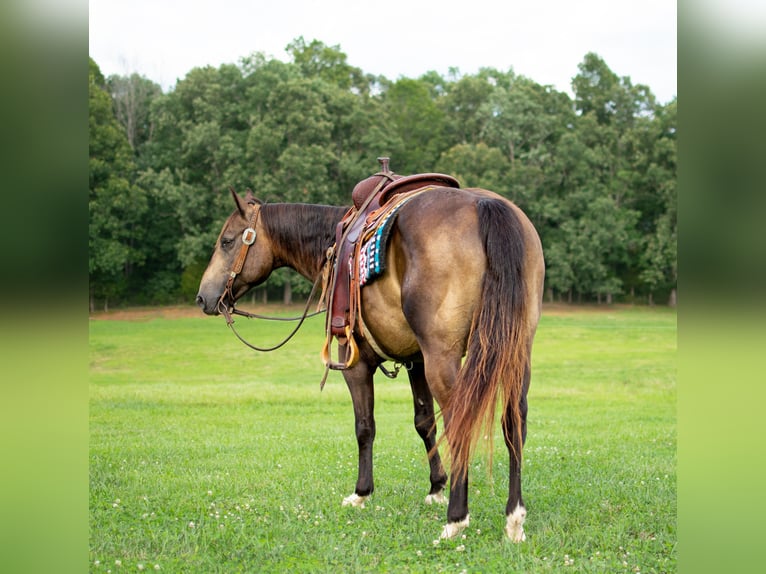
x=426, y=428
x=359, y=381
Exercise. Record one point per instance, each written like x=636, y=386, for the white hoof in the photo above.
x=514, y=524
x=437, y=498
x=354, y=500
x=452, y=529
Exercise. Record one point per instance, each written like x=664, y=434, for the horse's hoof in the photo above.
x=452, y=529
x=514, y=524
x=437, y=498
x=354, y=500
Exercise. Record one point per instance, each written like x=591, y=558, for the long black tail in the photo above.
x=498, y=349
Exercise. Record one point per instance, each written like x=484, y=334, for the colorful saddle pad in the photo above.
x=372, y=254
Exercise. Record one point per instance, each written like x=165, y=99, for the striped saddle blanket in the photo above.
x=372, y=255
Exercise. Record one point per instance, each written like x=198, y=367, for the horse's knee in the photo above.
x=365, y=431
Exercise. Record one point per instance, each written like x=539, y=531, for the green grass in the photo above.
x=208, y=457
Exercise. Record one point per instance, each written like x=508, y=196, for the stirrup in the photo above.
x=352, y=353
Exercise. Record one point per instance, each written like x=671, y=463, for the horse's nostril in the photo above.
x=200, y=301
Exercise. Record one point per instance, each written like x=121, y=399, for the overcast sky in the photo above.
x=544, y=40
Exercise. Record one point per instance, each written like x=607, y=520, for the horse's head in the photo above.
x=236, y=247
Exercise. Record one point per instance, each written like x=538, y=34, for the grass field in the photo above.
x=208, y=457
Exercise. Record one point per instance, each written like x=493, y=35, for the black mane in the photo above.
x=301, y=233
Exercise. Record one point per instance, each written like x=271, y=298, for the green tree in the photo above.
x=197, y=152
x=115, y=205
x=291, y=147
x=161, y=278
x=595, y=88
x=525, y=120
x=607, y=158
x=475, y=165
x=418, y=123
x=133, y=96
x=462, y=106
x=317, y=60
x=660, y=259
x=592, y=241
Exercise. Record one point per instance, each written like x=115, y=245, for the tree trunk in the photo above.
x=608, y=298
x=673, y=299
x=287, y=298
x=651, y=299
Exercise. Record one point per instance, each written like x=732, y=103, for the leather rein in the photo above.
x=248, y=239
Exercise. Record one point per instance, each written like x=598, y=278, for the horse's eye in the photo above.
x=226, y=243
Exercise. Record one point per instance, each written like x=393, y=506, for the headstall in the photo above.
x=226, y=301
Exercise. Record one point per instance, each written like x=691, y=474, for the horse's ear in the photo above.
x=251, y=199
x=241, y=203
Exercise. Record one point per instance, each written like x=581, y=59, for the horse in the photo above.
x=458, y=303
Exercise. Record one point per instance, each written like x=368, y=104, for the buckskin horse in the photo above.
x=458, y=303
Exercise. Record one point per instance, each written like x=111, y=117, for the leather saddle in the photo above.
x=394, y=184
x=342, y=284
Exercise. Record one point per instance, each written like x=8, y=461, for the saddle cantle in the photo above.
x=372, y=198
x=394, y=184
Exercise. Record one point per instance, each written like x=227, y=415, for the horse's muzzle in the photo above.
x=208, y=307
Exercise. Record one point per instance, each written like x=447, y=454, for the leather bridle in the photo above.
x=248, y=238
x=227, y=310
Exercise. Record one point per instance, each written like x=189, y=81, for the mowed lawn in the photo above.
x=208, y=457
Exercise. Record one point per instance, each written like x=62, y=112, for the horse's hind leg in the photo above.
x=442, y=370
x=426, y=427
x=359, y=382
x=515, y=511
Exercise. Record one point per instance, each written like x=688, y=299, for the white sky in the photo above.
x=544, y=40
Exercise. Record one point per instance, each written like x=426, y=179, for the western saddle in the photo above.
x=373, y=199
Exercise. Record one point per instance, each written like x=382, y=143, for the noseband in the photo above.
x=248, y=239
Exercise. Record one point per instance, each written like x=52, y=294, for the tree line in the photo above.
x=596, y=174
